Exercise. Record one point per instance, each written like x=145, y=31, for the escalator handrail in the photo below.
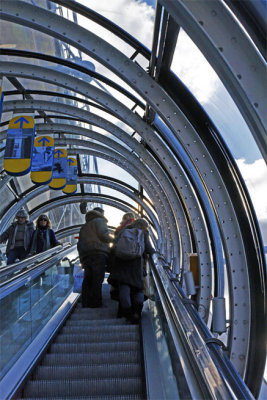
x=27, y=276
x=17, y=267
x=181, y=316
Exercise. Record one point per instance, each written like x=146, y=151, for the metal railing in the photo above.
x=207, y=368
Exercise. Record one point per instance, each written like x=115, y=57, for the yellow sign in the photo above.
x=59, y=169
x=42, y=160
x=19, y=145
x=71, y=185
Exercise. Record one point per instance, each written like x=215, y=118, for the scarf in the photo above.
x=43, y=238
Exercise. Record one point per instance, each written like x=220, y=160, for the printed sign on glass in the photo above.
x=42, y=160
x=19, y=145
x=71, y=185
x=59, y=169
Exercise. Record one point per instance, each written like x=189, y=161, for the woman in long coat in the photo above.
x=129, y=275
x=44, y=237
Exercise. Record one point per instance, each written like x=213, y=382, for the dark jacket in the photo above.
x=94, y=235
x=10, y=234
x=130, y=272
x=43, y=239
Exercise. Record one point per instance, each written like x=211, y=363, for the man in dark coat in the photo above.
x=93, y=250
x=18, y=236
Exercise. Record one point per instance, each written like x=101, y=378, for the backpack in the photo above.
x=129, y=244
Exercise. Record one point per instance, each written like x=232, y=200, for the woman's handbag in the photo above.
x=148, y=288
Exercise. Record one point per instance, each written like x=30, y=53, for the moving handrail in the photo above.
x=34, y=270
x=29, y=262
x=210, y=367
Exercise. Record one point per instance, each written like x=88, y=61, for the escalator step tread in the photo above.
x=92, y=358
x=102, y=328
x=79, y=317
x=92, y=371
x=97, y=322
x=94, y=347
x=105, y=397
x=83, y=387
x=98, y=337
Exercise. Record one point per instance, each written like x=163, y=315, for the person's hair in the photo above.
x=43, y=216
x=140, y=223
x=99, y=209
x=128, y=215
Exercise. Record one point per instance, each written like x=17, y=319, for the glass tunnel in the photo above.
x=158, y=107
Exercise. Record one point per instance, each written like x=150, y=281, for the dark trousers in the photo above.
x=94, y=273
x=129, y=297
x=17, y=252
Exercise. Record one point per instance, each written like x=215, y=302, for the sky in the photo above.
x=137, y=17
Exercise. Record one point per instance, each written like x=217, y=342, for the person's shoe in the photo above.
x=127, y=313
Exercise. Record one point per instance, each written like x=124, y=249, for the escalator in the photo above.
x=94, y=355
x=51, y=347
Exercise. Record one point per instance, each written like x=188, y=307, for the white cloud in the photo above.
x=133, y=16
x=255, y=176
x=192, y=68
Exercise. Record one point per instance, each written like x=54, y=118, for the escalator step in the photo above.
x=96, y=322
x=83, y=387
x=98, y=337
x=95, y=311
x=93, y=371
x=105, y=397
x=102, y=329
x=94, y=315
x=100, y=357
x=94, y=347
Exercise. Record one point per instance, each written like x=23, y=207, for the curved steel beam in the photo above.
x=78, y=198
x=101, y=20
x=231, y=53
x=158, y=174
x=38, y=191
x=73, y=67
x=171, y=164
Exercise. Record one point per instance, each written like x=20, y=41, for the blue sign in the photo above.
x=71, y=185
x=59, y=169
x=19, y=145
x=42, y=160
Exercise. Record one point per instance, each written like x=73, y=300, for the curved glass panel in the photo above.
x=135, y=17
x=196, y=73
